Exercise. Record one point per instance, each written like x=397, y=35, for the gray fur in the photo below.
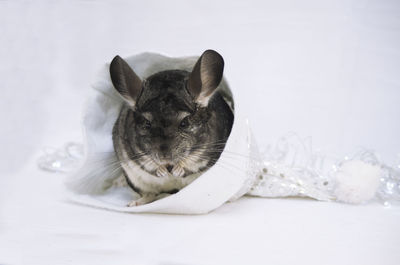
x=170, y=135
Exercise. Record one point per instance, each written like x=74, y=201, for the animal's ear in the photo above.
x=205, y=76
x=125, y=81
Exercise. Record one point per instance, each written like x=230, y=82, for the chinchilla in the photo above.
x=173, y=125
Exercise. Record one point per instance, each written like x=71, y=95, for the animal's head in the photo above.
x=171, y=116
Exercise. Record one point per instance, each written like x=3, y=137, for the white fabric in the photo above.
x=239, y=169
x=228, y=179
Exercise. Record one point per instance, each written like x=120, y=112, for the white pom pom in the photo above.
x=357, y=182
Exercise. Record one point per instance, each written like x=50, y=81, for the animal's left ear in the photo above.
x=205, y=76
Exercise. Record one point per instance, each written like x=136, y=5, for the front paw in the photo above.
x=133, y=203
x=120, y=182
x=178, y=171
x=162, y=171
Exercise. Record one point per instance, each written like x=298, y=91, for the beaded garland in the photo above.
x=289, y=169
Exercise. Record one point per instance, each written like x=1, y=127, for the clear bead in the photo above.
x=62, y=160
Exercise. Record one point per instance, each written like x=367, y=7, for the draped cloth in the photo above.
x=93, y=183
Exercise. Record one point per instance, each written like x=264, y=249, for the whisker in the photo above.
x=216, y=161
x=226, y=152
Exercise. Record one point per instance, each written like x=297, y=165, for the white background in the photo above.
x=325, y=69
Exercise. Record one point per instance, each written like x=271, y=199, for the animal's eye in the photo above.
x=146, y=124
x=184, y=123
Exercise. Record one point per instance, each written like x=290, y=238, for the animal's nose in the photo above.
x=165, y=152
x=163, y=148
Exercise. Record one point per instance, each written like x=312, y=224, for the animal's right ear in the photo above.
x=125, y=81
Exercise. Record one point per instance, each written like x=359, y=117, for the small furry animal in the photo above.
x=172, y=127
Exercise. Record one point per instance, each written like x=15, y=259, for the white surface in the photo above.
x=42, y=228
x=327, y=69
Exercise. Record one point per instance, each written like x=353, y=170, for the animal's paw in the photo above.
x=120, y=182
x=133, y=203
x=178, y=171
x=162, y=171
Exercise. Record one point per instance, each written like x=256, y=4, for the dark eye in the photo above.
x=146, y=124
x=184, y=123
